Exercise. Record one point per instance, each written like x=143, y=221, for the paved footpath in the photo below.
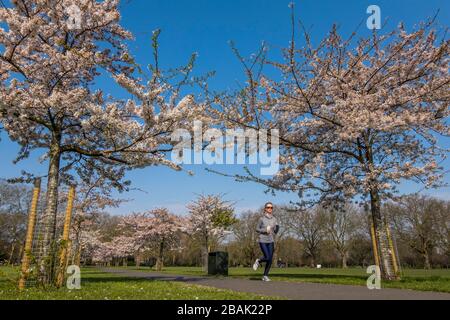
x=289, y=290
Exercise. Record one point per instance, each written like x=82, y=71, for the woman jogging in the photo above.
x=267, y=227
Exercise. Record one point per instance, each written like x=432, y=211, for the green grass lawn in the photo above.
x=415, y=279
x=96, y=285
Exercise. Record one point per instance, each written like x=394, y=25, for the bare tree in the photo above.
x=308, y=226
x=441, y=223
x=283, y=216
x=340, y=226
x=413, y=219
x=246, y=237
x=14, y=202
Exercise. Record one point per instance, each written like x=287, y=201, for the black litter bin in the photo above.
x=218, y=263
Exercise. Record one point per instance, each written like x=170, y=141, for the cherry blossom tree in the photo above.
x=47, y=68
x=210, y=219
x=98, y=252
x=167, y=229
x=89, y=245
x=91, y=201
x=156, y=230
x=101, y=247
x=355, y=117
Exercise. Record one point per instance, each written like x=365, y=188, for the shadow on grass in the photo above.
x=305, y=277
x=425, y=279
x=350, y=280
x=141, y=279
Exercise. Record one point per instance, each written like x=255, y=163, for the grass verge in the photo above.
x=414, y=279
x=97, y=285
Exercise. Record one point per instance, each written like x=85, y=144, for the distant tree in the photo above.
x=290, y=251
x=340, y=226
x=283, y=217
x=361, y=245
x=92, y=199
x=246, y=238
x=210, y=218
x=155, y=230
x=308, y=226
x=168, y=228
x=441, y=223
x=413, y=218
x=14, y=203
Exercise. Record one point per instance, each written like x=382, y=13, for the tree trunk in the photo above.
x=205, y=252
x=205, y=259
x=160, y=261
x=313, y=260
x=48, y=250
x=174, y=258
x=20, y=252
x=77, y=247
x=137, y=259
x=11, y=254
x=426, y=260
x=386, y=260
x=344, y=260
x=78, y=257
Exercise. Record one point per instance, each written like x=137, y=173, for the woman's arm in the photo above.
x=260, y=227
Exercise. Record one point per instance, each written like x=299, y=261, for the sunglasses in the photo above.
x=269, y=207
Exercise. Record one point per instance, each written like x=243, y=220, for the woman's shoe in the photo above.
x=266, y=279
x=256, y=265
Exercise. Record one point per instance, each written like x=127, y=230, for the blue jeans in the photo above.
x=267, y=249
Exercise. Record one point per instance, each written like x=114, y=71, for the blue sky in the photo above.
x=206, y=27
